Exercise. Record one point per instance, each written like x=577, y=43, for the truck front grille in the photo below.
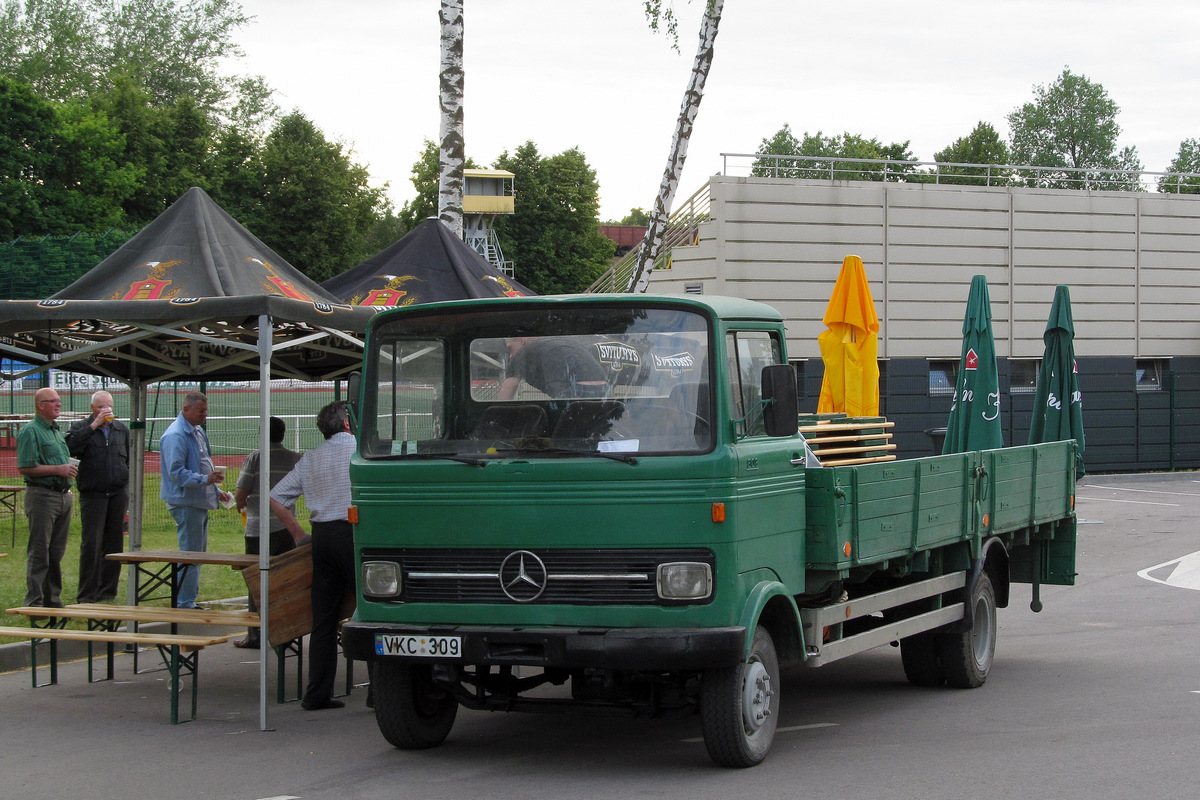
x=542, y=576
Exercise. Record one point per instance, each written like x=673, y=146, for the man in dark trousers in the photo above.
x=322, y=477
x=42, y=460
x=101, y=443
x=279, y=541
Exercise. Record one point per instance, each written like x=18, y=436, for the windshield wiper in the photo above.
x=539, y=446
x=474, y=462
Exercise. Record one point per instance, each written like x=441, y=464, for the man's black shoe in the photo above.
x=318, y=705
x=370, y=699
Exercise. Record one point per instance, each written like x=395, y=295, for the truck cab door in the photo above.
x=770, y=470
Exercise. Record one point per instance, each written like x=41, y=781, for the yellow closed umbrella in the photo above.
x=850, y=347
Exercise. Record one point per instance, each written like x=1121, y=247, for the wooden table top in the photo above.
x=239, y=560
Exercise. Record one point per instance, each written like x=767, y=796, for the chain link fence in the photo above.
x=33, y=268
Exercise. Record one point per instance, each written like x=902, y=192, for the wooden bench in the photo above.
x=180, y=652
x=838, y=443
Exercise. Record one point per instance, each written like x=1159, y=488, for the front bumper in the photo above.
x=655, y=649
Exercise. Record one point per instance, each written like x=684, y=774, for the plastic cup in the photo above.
x=74, y=462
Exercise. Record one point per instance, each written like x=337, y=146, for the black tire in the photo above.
x=922, y=664
x=739, y=706
x=413, y=713
x=967, y=656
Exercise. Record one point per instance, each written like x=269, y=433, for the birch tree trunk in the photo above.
x=648, y=251
x=451, y=151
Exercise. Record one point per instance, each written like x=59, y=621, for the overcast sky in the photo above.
x=568, y=73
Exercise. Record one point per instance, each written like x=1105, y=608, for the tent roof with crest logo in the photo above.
x=426, y=265
x=183, y=299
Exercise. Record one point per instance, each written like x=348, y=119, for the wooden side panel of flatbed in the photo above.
x=866, y=514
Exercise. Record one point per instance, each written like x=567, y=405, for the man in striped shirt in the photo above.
x=322, y=476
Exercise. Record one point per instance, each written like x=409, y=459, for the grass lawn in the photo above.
x=225, y=535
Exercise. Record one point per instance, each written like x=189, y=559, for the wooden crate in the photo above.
x=290, y=613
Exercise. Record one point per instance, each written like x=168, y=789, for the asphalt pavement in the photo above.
x=1096, y=696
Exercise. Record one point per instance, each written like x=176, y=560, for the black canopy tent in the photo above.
x=194, y=295
x=426, y=265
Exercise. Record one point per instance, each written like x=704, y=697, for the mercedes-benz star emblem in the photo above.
x=522, y=576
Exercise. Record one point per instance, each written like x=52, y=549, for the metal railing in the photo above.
x=683, y=228
x=950, y=172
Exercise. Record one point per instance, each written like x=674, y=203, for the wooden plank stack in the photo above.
x=837, y=440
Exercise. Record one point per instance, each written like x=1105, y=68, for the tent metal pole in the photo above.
x=264, y=509
x=137, y=479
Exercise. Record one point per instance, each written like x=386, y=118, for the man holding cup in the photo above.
x=190, y=486
x=45, y=463
x=101, y=443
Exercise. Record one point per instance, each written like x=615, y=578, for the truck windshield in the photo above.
x=534, y=382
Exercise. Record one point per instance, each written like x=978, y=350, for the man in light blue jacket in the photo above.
x=190, y=486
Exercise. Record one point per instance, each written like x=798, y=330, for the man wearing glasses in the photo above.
x=45, y=462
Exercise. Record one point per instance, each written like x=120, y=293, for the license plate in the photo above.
x=387, y=644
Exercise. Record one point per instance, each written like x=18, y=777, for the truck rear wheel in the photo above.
x=413, y=713
x=967, y=656
x=739, y=706
x=922, y=664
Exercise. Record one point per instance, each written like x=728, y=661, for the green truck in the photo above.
x=603, y=504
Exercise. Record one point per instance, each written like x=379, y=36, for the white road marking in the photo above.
x=1131, y=502
x=1184, y=572
x=784, y=729
x=1150, y=491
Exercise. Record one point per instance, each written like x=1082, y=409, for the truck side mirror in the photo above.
x=782, y=412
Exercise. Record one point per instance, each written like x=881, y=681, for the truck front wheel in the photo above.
x=967, y=656
x=412, y=711
x=739, y=706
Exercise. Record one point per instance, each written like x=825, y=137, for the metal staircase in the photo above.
x=683, y=229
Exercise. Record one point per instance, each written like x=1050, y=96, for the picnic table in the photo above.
x=10, y=496
x=158, y=569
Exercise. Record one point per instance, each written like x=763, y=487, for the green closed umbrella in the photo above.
x=1058, y=405
x=975, y=416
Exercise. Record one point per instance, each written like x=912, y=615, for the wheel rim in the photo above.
x=982, y=631
x=756, y=697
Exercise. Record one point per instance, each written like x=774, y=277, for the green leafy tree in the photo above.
x=90, y=179
x=62, y=168
x=636, y=216
x=831, y=153
x=237, y=173
x=172, y=145
x=53, y=45
x=553, y=238
x=316, y=205
x=982, y=146
x=1071, y=127
x=783, y=143
x=27, y=127
x=173, y=48
x=1186, y=160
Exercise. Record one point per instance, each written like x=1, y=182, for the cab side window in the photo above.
x=748, y=352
